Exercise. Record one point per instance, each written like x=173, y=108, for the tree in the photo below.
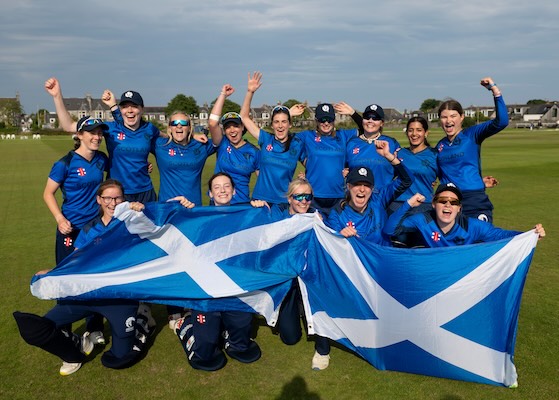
x=228, y=106
x=429, y=104
x=182, y=103
x=534, y=102
x=11, y=112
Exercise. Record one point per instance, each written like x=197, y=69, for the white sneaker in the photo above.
x=320, y=362
x=173, y=319
x=86, y=347
x=69, y=368
x=97, y=337
x=86, y=344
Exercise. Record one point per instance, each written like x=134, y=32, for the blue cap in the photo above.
x=360, y=174
x=374, y=110
x=325, y=111
x=131, y=96
x=449, y=187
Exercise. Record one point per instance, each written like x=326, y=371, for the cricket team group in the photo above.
x=361, y=183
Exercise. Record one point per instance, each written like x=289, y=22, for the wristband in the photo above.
x=214, y=117
x=491, y=85
x=114, y=105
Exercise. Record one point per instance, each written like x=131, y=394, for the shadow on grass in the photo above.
x=297, y=389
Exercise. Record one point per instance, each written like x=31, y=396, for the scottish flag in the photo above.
x=172, y=255
x=449, y=312
x=446, y=312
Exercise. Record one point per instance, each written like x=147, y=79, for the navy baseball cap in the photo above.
x=373, y=110
x=325, y=111
x=131, y=96
x=360, y=174
x=231, y=117
x=448, y=187
x=88, y=124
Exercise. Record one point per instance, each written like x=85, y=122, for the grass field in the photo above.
x=527, y=166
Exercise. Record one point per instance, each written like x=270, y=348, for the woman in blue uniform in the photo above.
x=200, y=332
x=445, y=225
x=180, y=160
x=77, y=175
x=459, y=153
x=235, y=156
x=363, y=213
x=361, y=150
x=326, y=159
x=279, y=152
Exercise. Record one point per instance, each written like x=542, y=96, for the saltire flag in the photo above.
x=185, y=257
x=446, y=312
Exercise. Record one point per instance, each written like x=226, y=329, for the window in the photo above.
x=203, y=115
x=161, y=117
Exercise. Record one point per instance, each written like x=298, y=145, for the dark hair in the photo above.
x=109, y=183
x=451, y=105
x=423, y=123
x=217, y=174
x=281, y=109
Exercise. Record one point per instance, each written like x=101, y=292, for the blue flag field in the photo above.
x=449, y=312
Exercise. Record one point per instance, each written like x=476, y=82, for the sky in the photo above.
x=394, y=53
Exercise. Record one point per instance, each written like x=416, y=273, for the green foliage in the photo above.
x=527, y=167
x=11, y=112
x=228, y=106
x=534, y=102
x=429, y=104
x=184, y=103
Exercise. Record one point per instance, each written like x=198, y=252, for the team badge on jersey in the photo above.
x=68, y=241
x=435, y=236
x=317, y=139
x=228, y=149
x=201, y=318
x=355, y=150
x=441, y=147
x=172, y=152
x=81, y=171
x=121, y=136
x=269, y=147
x=350, y=224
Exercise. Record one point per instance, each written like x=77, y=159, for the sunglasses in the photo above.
x=108, y=199
x=89, y=122
x=444, y=200
x=302, y=196
x=325, y=120
x=280, y=108
x=178, y=122
x=372, y=118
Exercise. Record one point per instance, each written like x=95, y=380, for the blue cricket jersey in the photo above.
x=128, y=153
x=92, y=230
x=360, y=153
x=239, y=163
x=465, y=231
x=79, y=180
x=369, y=224
x=180, y=168
x=423, y=166
x=326, y=161
x=459, y=161
x=276, y=167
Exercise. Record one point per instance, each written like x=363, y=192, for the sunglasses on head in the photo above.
x=302, y=196
x=280, y=108
x=451, y=200
x=89, y=122
x=178, y=122
x=325, y=120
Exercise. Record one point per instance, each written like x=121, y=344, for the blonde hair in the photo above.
x=295, y=183
x=177, y=112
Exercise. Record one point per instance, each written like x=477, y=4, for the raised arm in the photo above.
x=52, y=86
x=213, y=124
x=254, y=82
x=345, y=109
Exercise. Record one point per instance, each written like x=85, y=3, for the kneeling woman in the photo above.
x=200, y=332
